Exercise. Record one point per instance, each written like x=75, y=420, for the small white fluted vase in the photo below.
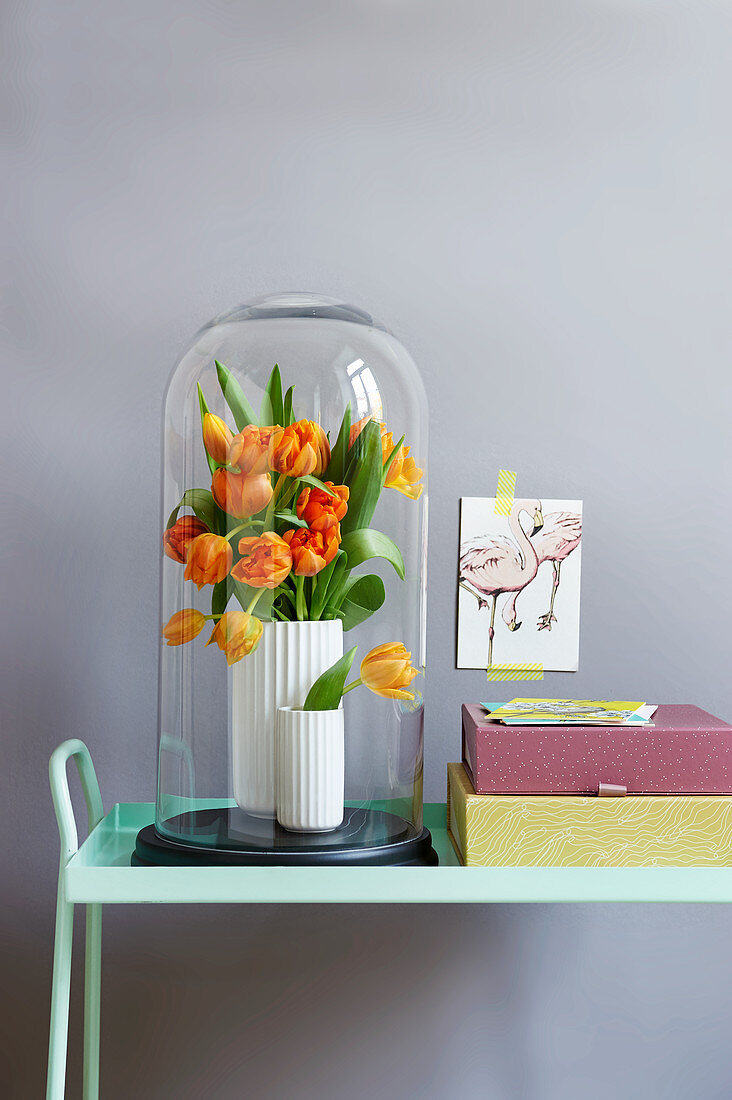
x=279, y=673
x=310, y=769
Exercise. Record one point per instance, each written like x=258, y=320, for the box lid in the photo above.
x=686, y=751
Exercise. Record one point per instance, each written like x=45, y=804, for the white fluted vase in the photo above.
x=279, y=673
x=310, y=769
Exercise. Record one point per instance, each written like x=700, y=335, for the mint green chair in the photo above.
x=58, y=1038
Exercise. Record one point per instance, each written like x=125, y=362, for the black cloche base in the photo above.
x=229, y=837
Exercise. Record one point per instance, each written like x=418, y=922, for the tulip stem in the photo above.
x=253, y=603
x=269, y=514
x=350, y=687
x=230, y=534
x=320, y=589
x=289, y=493
x=302, y=610
x=290, y=597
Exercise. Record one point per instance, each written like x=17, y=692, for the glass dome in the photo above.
x=294, y=504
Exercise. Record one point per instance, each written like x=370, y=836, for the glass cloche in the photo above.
x=294, y=541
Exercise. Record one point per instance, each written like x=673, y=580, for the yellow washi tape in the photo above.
x=504, y=502
x=504, y=492
x=526, y=671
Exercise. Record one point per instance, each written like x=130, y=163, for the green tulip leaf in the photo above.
x=272, y=407
x=366, y=543
x=364, y=477
x=203, y=505
x=316, y=483
x=241, y=410
x=336, y=586
x=266, y=415
x=287, y=417
x=327, y=691
x=321, y=585
x=220, y=597
x=362, y=597
x=339, y=453
x=290, y=517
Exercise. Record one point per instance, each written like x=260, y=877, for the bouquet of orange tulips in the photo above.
x=286, y=519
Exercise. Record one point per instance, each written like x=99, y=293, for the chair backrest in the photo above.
x=62, y=796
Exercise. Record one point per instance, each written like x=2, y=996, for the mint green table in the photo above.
x=99, y=872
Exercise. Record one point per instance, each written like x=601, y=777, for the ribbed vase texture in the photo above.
x=279, y=673
x=310, y=769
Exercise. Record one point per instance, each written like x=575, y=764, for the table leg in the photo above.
x=60, y=994
x=92, y=1000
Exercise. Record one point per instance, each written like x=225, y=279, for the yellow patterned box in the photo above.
x=503, y=830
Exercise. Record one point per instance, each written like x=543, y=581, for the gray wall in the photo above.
x=536, y=197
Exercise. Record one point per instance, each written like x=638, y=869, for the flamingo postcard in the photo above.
x=519, y=584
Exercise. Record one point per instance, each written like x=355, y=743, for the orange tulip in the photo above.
x=403, y=474
x=320, y=510
x=387, y=670
x=217, y=437
x=301, y=449
x=240, y=495
x=322, y=447
x=236, y=634
x=312, y=550
x=265, y=561
x=249, y=449
x=184, y=626
x=209, y=560
x=178, y=538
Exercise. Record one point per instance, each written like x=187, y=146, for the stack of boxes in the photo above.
x=534, y=795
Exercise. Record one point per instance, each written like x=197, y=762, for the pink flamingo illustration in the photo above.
x=561, y=535
x=492, y=565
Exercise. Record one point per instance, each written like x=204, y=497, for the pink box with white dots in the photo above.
x=686, y=751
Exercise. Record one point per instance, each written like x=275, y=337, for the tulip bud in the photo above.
x=179, y=537
x=265, y=561
x=387, y=670
x=322, y=510
x=312, y=550
x=209, y=560
x=184, y=626
x=217, y=437
x=249, y=449
x=240, y=495
x=403, y=474
x=300, y=449
x=236, y=634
